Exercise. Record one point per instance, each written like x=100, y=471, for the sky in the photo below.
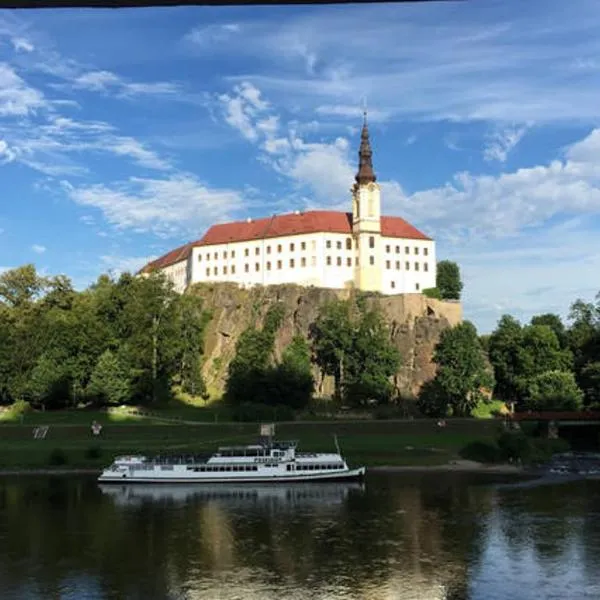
x=125, y=133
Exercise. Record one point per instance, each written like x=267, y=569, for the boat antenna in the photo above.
x=337, y=446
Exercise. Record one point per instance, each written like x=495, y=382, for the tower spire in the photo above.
x=365, y=173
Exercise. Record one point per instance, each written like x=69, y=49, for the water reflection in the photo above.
x=403, y=537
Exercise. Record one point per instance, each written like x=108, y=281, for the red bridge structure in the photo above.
x=580, y=428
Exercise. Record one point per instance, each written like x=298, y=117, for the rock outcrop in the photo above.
x=415, y=323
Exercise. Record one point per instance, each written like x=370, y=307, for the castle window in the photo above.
x=207, y=256
x=406, y=250
x=348, y=243
x=388, y=264
x=257, y=267
x=257, y=251
x=246, y=267
x=314, y=244
x=329, y=260
x=371, y=242
x=349, y=261
x=387, y=248
x=268, y=249
x=397, y=265
x=279, y=264
x=278, y=247
x=339, y=260
x=328, y=244
x=371, y=260
x=416, y=266
x=418, y=287
x=225, y=254
x=291, y=263
x=393, y=284
x=425, y=267
x=292, y=247
x=216, y=255
x=356, y=261
x=407, y=266
x=313, y=261
x=233, y=269
x=397, y=249
x=224, y=270
x=416, y=250
x=199, y=257
x=425, y=251
x=216, y=271
x=338, y=245
x=246, y=252
x=303, y=262
x=268, y=266
x=303, y=246
x=233, y=254
x=208, y=271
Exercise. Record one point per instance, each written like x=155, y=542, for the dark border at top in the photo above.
x=20, y=4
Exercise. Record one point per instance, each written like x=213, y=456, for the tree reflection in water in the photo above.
x=402, y=537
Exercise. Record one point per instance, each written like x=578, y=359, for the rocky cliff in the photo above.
x=415, y=324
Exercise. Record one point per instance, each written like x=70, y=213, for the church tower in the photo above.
x=366, y=219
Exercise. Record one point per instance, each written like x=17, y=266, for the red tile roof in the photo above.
x=314, y=221
x=171, y=258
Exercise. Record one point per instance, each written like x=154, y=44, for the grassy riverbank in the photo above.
x=69, y=442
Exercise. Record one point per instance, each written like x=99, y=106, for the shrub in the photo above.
x=93, y=452
x=254, y=412
x=482, y=451
x=57, y=457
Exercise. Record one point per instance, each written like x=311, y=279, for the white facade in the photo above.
x=327, y=260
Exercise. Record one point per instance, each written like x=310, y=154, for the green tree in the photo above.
x=291, y=380
x=332, y=338
x=462, y=374
x=191, y=322
x=249, y=374
x=110, y=381
x=555, y=323
x=48, y=385
x=448, y=280
x=554, y=390
x=21, y=285
x=371, y=362
x=503, y=352
x=540, y=351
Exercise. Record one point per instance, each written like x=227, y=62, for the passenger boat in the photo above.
x=267, y=461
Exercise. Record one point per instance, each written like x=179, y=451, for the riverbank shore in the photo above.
x=459, y=466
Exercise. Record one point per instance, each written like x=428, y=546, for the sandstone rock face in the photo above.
x=415, y=324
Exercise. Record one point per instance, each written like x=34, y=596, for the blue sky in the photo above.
x=124, y=133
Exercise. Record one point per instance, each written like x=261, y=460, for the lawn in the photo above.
x=418, y=442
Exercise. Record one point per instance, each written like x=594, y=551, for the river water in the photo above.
x=400, y=536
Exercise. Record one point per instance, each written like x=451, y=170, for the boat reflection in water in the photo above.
x=276, y=494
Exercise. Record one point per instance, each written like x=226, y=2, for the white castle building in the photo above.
x=329, y=249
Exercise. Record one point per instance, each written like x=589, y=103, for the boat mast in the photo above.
x=337, y=446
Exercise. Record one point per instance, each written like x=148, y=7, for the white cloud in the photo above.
x=38, y=249
x=104, y=81
x=6, y=154
x=163, y=206
x=16, y=97
x=502, y=142
x=207, y=35
x=22, y=45
x=121, y=264
x=457, y=62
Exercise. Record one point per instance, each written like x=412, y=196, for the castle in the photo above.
x=328, y=249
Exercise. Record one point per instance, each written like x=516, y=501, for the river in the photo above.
x=399, y=536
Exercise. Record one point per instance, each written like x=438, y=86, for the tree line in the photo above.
x=134, y=340
x=124, y=340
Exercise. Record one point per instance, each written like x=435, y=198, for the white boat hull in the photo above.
x=192, y=477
